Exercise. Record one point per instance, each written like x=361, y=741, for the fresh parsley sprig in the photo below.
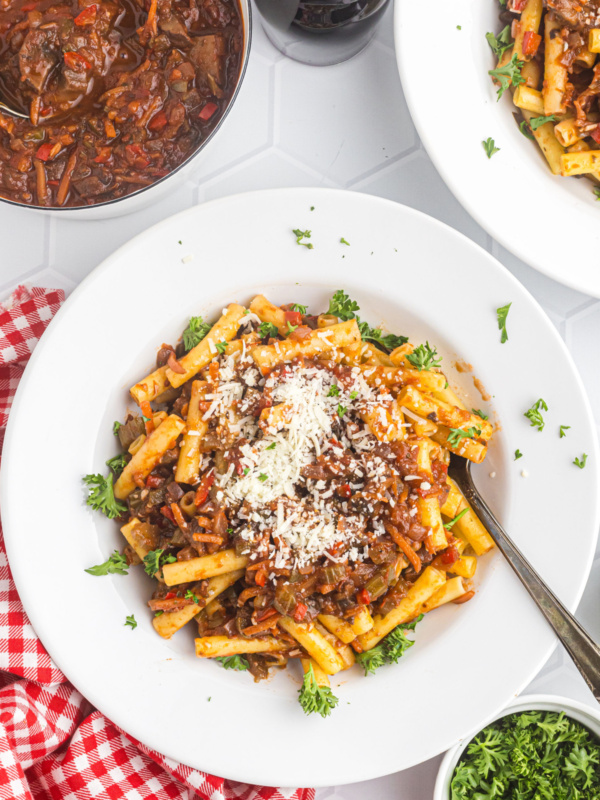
x=342, y=307
x=299, y=308
x=316, y=699
x=500, y=43
x=117, y=463
x=508, y=75
x=116, y=564
x=424, y=357
x=101, y=496
x=267, y=329
x=390, y=649
x=195, y=332
x=534, y=414
x=154, y=561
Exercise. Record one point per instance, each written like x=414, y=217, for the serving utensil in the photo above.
x=578, y=643
x=9, y=110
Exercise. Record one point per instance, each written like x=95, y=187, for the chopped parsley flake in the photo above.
x=562, y=431
x=536, y=122
x=271, y=446
x=116, y=426
x=460, y=515
x=262, y=477
x=101, y=496
x=341, y=410
x=343, y=241
x=502, y=314
x=457, y=434
x=534, y=414
x=155, y=560
x=334, y=390
x=131, y=621
x=489, y=145
x=302, y=235
x=221, y=347
x=480, y=413
x=518, y=454
x=581, y=463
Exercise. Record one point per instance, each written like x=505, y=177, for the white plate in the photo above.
x=421, y=278
x=552, y=223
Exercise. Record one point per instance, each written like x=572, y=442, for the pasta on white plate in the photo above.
x=286, y=485
x=548, y=57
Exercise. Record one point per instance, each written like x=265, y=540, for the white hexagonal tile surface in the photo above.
x=344, y=126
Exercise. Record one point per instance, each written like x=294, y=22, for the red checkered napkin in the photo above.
x=53, y=744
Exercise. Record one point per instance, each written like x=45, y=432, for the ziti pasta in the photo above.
x=286, y=488
x=548, y=56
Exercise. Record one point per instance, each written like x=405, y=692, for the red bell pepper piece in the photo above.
x=364, y=597
x=202, y=490
x=75, y=61
x=166, y=512
x=158, y=121
x=300, y=611
x=293, y=317
x=531, y=42
x=207, y=111
x=87, y=16
x=450, y=555
x=44, y=151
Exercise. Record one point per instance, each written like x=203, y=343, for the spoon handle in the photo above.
x=580, y=646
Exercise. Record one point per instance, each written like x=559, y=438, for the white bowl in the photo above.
x=586, y=715
x=155, y=191
x=552, y=223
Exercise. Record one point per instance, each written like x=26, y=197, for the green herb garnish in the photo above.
x=390, y=649
x=489, y=145
x=116, y=426
x=316, y=699
x=262, y=477
x=195, y=332
x=101, y=496
x=518, y=454
x=334, y=390
x=238, y=663
x=221, y=346
x=562, y=431
x=502, y=314
x=267, y=329
x=117, y=463
x=343, y=241
x=116, y=564
x=581, y=463
x=457, y=434
x=480, y=413
x=508, y=75
x=500, y=43
x=536, y=122
x=533, y=755
x=131, y=622
x=299, y=308
x=460, y=515
x=534, y=415
x=424, y=357
x=155, y=560
x=302, y=235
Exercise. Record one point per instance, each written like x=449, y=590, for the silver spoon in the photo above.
x=579, y=644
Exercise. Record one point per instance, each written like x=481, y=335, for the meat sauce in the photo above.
x=119, y=92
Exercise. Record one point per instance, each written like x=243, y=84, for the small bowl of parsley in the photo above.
x=541, y=746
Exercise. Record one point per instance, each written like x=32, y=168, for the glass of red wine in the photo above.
x=320, y=33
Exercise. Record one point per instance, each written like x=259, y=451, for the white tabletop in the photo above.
x=347, y=127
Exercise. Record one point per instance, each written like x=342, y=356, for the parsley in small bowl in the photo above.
x=541, y=746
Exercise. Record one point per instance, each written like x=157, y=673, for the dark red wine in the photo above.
x=320, y=33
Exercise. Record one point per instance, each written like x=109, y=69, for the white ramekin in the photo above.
x=586, y=715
